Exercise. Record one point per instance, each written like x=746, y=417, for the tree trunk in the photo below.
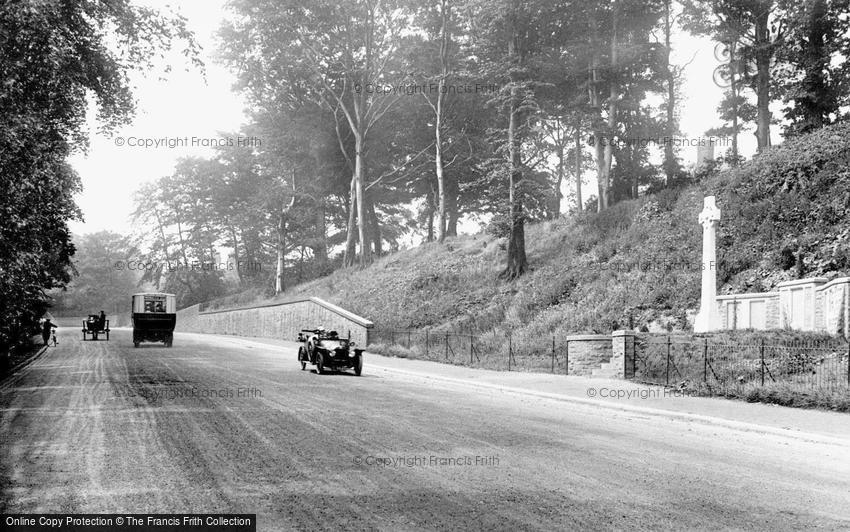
x=279, y=284
x=578, y=165
x=438, y=157
x=670, y=126
x=517, y=262
x=375, y=228
x=733, y=78
x=452, y=208
x=351, y=235
x=320, y=246
x=557, y=207
x=360, y=192
x=236, y=253
x=429, y=199
x=762, y=51
x=596, y=120
x=613, y=102
x=441, y=184
x=815, y=103
x=301, y=265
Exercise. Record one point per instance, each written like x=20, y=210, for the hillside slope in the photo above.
x=638, y=264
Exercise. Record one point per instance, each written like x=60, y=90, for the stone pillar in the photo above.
x=707, y=319
x=623, y=353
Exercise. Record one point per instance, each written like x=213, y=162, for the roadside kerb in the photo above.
x=658, y=412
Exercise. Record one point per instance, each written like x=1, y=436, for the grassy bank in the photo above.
x=637, y=264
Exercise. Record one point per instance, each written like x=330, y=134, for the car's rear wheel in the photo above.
x=320, y=363
x=358, y=365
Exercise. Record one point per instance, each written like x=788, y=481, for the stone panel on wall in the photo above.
x=588, y=352
x=804, y=304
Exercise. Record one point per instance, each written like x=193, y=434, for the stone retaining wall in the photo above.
x=277, y=320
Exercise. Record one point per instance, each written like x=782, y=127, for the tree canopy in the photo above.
x=53, y=57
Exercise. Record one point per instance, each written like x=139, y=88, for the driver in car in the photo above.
x=314, y=339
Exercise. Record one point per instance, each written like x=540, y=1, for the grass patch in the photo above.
x=779, y=393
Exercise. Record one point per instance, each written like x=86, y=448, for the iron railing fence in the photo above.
x=498, y=350
x=719, y=365
x=724, y=366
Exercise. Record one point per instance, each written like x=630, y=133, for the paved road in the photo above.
x=223, y=425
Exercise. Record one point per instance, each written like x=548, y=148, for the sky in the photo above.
x=186, y=105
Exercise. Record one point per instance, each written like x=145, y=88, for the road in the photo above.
x=225, y=425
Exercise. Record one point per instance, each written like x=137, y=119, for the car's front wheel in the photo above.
x=358, y=365
x=320, y=363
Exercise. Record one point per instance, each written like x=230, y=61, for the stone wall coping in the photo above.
x=800, y=282
x=749, y=295
x=837, y=280
x=623, y=332
x=589, y=337
x=321, y=302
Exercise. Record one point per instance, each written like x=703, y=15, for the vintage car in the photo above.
x=94, y=326
x=154, y=317
x=327, y=351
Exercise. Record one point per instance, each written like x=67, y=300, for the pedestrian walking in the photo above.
x=46, y=329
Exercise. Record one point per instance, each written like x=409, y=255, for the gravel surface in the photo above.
x=221, y=425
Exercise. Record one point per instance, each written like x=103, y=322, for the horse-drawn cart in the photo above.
x=95, y=326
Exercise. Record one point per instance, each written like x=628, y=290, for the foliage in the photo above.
x=108, y=271
x=53, y=57
x=812, y=84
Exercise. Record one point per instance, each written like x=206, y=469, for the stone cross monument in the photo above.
x=708, y=318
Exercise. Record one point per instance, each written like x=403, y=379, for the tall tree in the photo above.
x=618, y=37
x=672, y=80
x=437, y=104
x=509, y=33
x=341, y=54
x=753, y=30
x=53, y=57
x=814, y=76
